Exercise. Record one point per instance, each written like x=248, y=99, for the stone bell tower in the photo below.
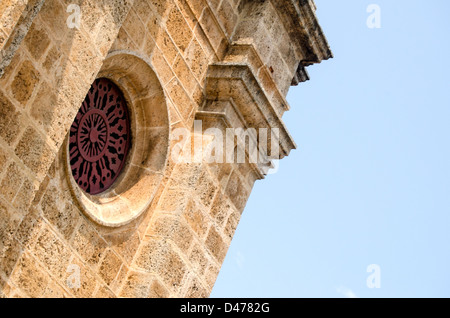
x=104, y=106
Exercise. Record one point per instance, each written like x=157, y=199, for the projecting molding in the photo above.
x=249, y=107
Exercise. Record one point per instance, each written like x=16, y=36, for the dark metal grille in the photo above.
x=99, y=137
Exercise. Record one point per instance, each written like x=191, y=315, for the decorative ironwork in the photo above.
x=99, y=137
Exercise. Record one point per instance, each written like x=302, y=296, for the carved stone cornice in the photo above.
x=304, y=29
x=244, y=53
x=235, y=97
x=301, y=75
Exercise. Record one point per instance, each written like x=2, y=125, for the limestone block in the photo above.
x=216, y=245
x=30, y=277
x=178, y=29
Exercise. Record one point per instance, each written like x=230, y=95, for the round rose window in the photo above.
x=99, y=138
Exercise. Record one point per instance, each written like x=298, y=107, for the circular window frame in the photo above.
x=134, y=189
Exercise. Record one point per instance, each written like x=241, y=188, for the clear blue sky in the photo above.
x=370, y=180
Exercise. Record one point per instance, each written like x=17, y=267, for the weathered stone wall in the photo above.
x=176, y=60
x=46, y=70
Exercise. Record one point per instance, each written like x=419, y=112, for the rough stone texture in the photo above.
x=165, y=227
